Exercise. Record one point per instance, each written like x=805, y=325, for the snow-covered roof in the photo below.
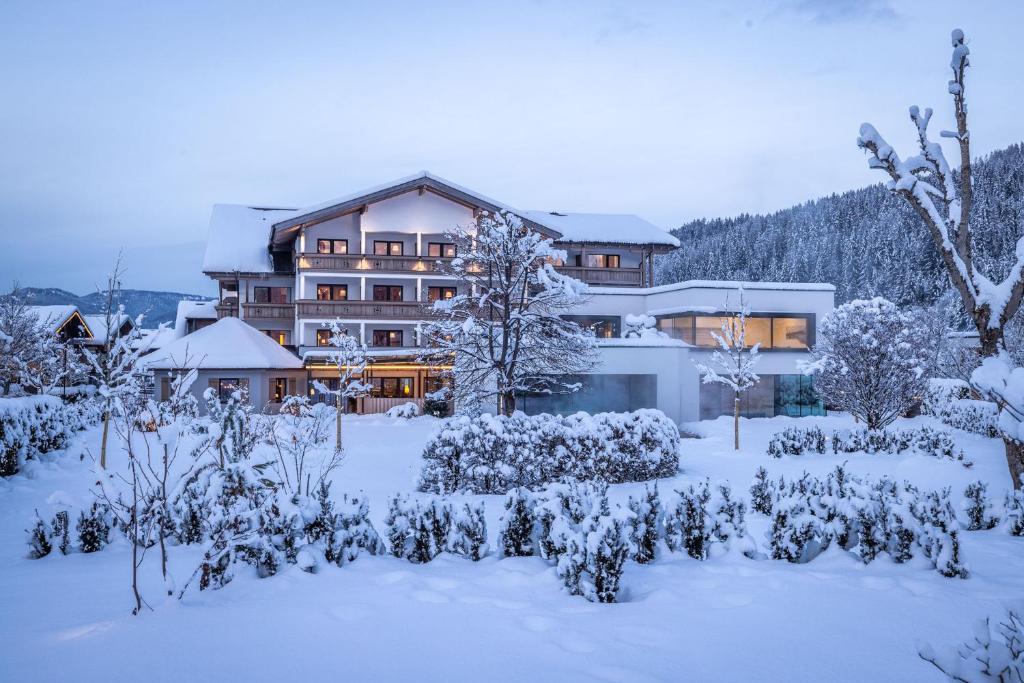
x=238, y=238
x=717, y=284
x=155, y=339
x=97, y=324
x=228, y=344
x=187, y=310
x=609, y=228
x=54, y=315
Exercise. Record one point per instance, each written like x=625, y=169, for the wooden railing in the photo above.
x=407, y=310
x=373, y=263
x=269, y=311
x=228, y=308
x=376, y=404
x=614, y=277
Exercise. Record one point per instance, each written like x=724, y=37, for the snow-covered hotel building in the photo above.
x=375, y=259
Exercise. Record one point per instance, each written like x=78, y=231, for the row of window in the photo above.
x=386, y=248
x=380, y=293
x=770, y=331
x=279, y=387
x=380, y=338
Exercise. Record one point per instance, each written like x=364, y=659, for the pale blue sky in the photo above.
x=123, y=122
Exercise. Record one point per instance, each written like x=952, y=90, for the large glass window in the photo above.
x=332, y=292
x=770, y=331
x=773, y=395
x=437, y=293
x=271, y=295
x=391, y=387
x=790, y=333
x=598, y=394
x=679, y=327
x=332, y=246
x=441, y=249
x=226, y=386
x=388, y=248
x=603, y=326
x=387, y=293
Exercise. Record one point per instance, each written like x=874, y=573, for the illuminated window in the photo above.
x=280, y=336
x=278, y=389
x=387, y=337
x=332, y=246
x=271, y=295
x=441, y=250
x=391, y=387
x=435, y=293
x=332, y=292
x=790, y=333
x=387, y=248
x=600, y=261
x=771, y=332
x=226, y=386
x=323, y=337
x=678, y=327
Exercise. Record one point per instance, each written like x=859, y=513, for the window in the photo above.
x=226, y=386
x=387, y=293
x=436, y=293
x=773, y=395
x=385, y=248
x=271, y=295
x=771, y=332
x=323, y=337
x=280, y=336
x=391, y=387
x=387, y=337
x=332, y=246
x=441, y=249
x=332, y=292
x=603, y=326
x=598, y=394
x=278, y=389
x=599, y=261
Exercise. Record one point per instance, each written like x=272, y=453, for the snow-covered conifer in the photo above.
x=93, y=528
x=516, y=528
x=978, y=508
x=60, y=531
x=607, y=549
x=468, y=535
x=688, y=526
x=761, y=492
x=645, y=525
x=39, y=539
x=1015, y=512
x=995, y=653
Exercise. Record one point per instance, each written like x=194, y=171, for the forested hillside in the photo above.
x=867, y=242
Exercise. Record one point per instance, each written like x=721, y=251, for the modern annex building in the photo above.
x=374, y=260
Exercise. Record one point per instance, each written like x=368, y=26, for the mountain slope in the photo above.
x=156, y=307
x=867, y=242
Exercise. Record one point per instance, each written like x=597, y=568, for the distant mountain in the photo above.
x=156, y=307
x=866, y=242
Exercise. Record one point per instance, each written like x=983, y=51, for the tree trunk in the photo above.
x=337, y=423
x=103, y=443
x=1015, y=461
x=736, y=422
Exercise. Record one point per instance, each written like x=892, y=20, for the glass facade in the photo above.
x=782, y=331
x=603, y=326
x=599, y=394
x=791, y=395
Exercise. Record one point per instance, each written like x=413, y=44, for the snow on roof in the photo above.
x=97, y=324
x=612, y=228
x=227, y=344
x=204, y=310
x=239, y=236
x=54, y=315
x=717, y=284
x=154, y=339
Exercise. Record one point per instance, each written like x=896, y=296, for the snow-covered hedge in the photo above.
x=30, y=426
x=405, y=410
x=492, y=454
x=950, y=401
x=812, y=440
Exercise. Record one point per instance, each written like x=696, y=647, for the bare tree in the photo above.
x=33, y=357
x=503, y=333
x=348, y=355
x=942, y=198
x=733, y=363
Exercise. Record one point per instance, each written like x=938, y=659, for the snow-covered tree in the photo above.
x=943, y=198
x=32, y=357
x=733, y=362
x=114, y=367
x=504, y=332
x=869, y=360
x=298, y=434
x=348, y=355
x=995, y=653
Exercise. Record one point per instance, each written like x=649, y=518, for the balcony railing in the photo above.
x=399, y=310
x=372, y=263
x=613, y=277
x=227, y=308
x=269, y=311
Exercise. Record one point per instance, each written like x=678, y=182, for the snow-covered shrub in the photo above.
x=978, y=508
x=641, y=326
x=39, y=539
x=728, y=521
x=1015, y=512
x=61, y=531
x=93, y=528
x=688, y=526
x=517, y=526
x=796, y=534
x=797, y=441
x=493, y=454
x=190, y=508
x=29, y=427
x=415, y=531
x=645, y=525
x=405, y=411
x=937, y=532
x=869, y=360
x=950, y=401
x=468, y=534
x=354, y=534
x=761, y=492
x=995, y=653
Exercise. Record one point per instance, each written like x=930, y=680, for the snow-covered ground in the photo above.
x=380, y=618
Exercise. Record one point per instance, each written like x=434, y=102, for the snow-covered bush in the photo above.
x=688, y=526
x=761, y=492
x=978, y=508
x=937, y=532
x=493, y=454
x=1015, y=512
x=516, y=535
x=796, y=533
x=950, y=401
x=29, y=427
x=405, y=411
x=468, y=534
x=93, y=528
x=641, y=326
x=797, y=441
x=415, y=531
x=645, y=525
x=995, y=653
x=869, y=360
x=38, y=539
x=921, y=440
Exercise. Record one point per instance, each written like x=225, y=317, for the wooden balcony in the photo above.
x=390, y=310
x=605, y=277
x=372, y=263
x=269, y=311
x=228, y=308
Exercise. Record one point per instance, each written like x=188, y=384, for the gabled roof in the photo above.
x=193, y=310
x=606, y=228
x=57, y=316
x=228, y=344
x=238, y=238
x=97, y=325
x=424, y=180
